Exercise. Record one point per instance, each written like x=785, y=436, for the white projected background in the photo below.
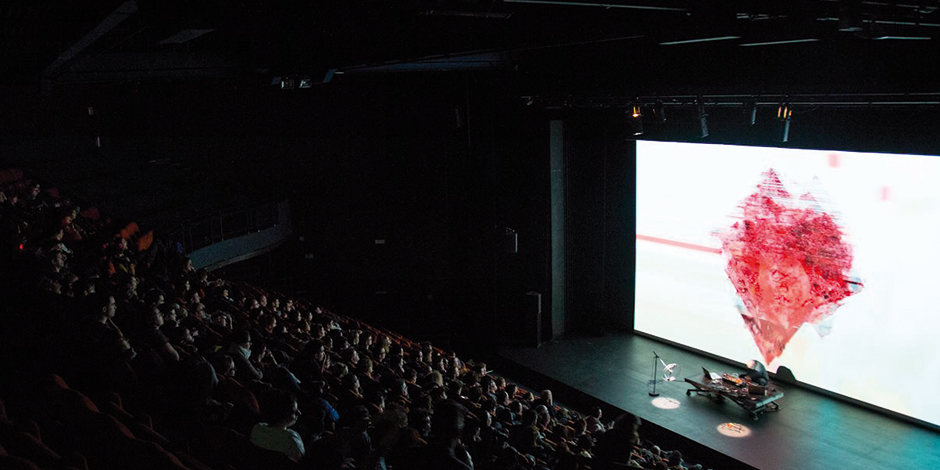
x=884, y=344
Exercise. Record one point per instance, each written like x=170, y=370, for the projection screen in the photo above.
x=821, y=261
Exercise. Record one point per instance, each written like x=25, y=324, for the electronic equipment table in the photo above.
x=754, y=399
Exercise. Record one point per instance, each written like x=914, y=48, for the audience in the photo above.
x=264, y=372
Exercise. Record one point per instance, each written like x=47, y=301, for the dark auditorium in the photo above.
x=469, y=235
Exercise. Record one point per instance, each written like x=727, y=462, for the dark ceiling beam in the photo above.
x=652, y=6
x=122, y=67
x=472, y=61
x=121, y=13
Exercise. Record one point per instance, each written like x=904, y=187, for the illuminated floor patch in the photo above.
x=734, y=430
x=665, y=403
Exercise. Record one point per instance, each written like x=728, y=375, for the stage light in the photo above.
x=636, y=120
x=784, y=113
x=702, y=117
x=734, y=430
x=636, y=125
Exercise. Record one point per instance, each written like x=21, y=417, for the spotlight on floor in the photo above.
x=665, y=403
x=734, y=430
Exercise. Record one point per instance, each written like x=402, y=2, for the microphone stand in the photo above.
x=653, y=380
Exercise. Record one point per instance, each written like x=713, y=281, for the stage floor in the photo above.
x=811, y=431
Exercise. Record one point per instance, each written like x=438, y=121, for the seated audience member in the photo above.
x=374, y=400
x=313, y=362
x=419, y=419
x=171, y=315
x=365, y=369
x=351, y=444
x=221, y=323
x=757, y=373
x=544, y=419
x=616, y=445
x=350, y=393
x=227, y=389
x=502, y=398
x=240, y=350
x=593, y=419
x=317, y=400
x=101, y=351
x=444, y=450
x=545, y=398
x=153, y=339
x=103, y=336
x=396, y=364
x=280, y=412
x=675, y=461
x=350, y=356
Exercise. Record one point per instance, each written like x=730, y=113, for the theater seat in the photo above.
x=140, y=429
x=26, y=445
x=152, y=456
x=190, y=461
x=219, y=447
x=10, y=462
x=264, y=459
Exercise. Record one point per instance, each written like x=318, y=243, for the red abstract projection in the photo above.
x=788, y=263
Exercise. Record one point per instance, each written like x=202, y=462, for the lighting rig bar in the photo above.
x=735, y=100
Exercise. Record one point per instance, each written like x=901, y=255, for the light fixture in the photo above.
x=784, y=113
x=635, y=118
x=702, y=117
x=783, y=110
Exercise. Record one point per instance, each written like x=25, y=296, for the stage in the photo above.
x=810, y=431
